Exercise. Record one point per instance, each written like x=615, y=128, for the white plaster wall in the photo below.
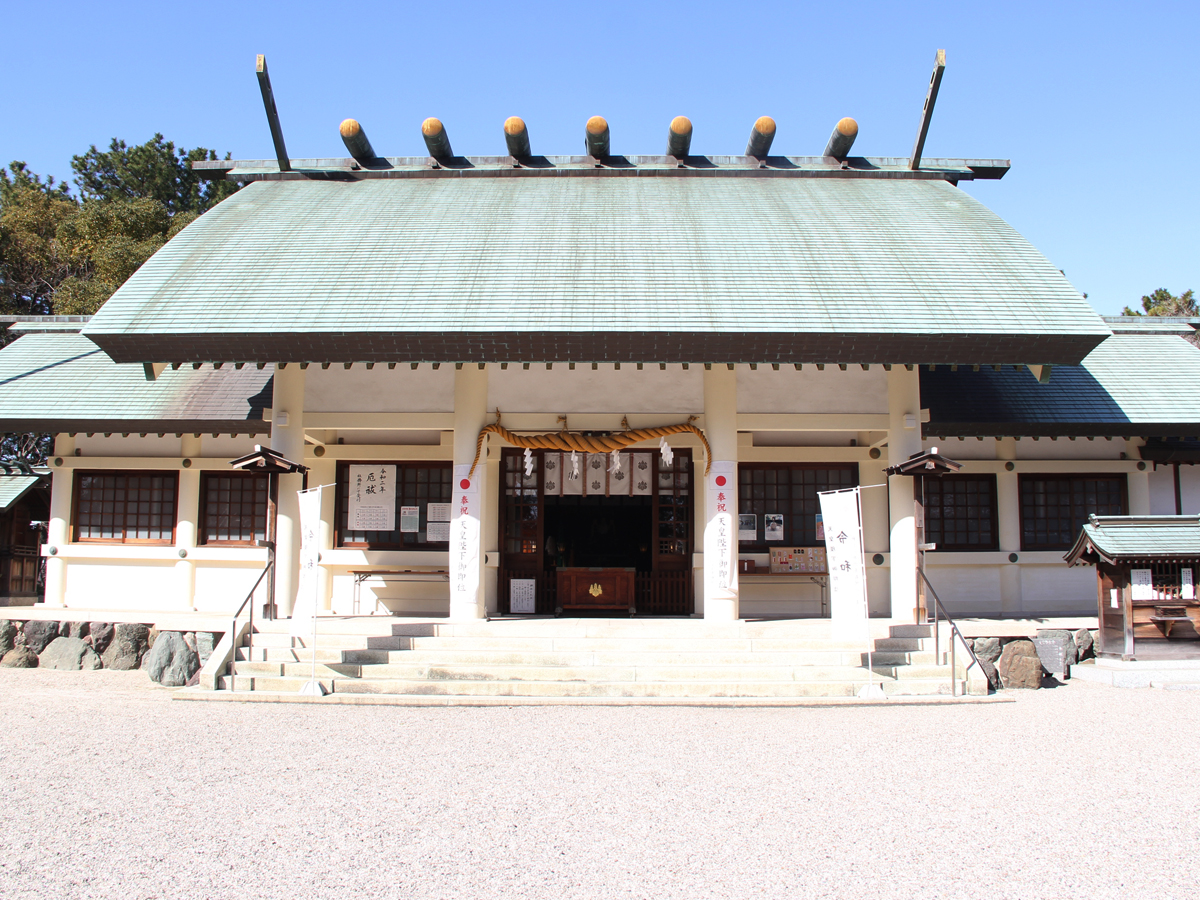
x=1058, y=589
x=1189, y=484
x=787, y=600
x=359, y=389
x=766, y=390
x=966, y=590
x=602, y=390
x=1162, y=491
x=959, y=449
x=422, y=598
x=123, y=584
x=221, y=588
x=804, y=438
x=407, y=438
x=227, y=447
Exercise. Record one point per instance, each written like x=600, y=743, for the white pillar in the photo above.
x=187, y=521
x=721, y=599
x=1008, y=515
x=58, y=532
x=288, y=439
x=467, y=596
x=324, y=471
x=904, y=439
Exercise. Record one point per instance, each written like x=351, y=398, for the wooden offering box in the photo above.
x=596, y=589
x=1146, y=573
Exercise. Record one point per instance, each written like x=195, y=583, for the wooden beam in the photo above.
x=935, y=82
x=264, y=85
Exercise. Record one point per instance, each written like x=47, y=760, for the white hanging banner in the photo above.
x=551, y=474
x=720, y=532
x=465, y=536
x=372, y=504
x=595, y=475
x=310, y=551
x=642, y=473
x=847, y=572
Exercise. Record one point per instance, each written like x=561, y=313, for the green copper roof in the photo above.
x=64, y=382
x=1121, y=538
x=703, y=268
x=13, y=487
x=1131, y=385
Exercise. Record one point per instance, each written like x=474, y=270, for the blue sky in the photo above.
x=1094, y=103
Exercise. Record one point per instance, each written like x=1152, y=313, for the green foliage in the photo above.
x=62, y=256
x=154, y=170
x=32, y=265
x=1163, y=303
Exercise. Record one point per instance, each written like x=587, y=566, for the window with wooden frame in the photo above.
x=1055, y=507
x=521, y=508
x=960, y=512
x=418, y=484
x=233, y=507
x=784, y=497
x=674, y=510
x=126, y=507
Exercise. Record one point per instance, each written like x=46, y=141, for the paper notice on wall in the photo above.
x=465, y=537
x=522, y=595
x=847, y=571
x=720, y=531
x=310, y=551
x=1187, y=590
x=747, y=527
x=437, y=512
x=372, y=504
x=410, y=519
x=437, y=532
x=1142, y=582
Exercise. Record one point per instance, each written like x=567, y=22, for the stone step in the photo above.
x=562, y=644
x=910, y=631
x=329, y=641
x=649, y=689
x=297, y=670
x=893, y=658
x=611, y=674
x=902, y=644
x=917, y=672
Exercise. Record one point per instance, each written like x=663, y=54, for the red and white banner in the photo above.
x=720, y=532
x=465, y=536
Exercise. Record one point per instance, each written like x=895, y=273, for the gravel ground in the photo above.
x=113, y=790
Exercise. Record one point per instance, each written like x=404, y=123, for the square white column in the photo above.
x=721, y=594
x=467, y=588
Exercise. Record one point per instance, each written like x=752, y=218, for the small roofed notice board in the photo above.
x=372, y=504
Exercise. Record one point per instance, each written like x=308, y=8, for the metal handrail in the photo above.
x=938, y=607
x=250, y=631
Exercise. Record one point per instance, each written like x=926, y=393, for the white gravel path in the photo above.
x=112, y=790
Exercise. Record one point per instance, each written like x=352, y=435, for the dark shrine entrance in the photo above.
x=617, y=542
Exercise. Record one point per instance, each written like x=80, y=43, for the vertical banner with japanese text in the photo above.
x=720, y=531
x=310, y=551
x=847, y=573
x=465, y=537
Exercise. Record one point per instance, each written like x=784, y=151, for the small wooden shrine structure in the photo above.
x=1146, y=583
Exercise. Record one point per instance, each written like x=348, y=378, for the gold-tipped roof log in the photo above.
x=596, y=137
x=761, y=136
x=356, y=141
x=842, y=139
x=679, y=137
x=516, y=136
x=436, y=139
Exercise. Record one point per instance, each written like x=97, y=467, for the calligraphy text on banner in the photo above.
x=847, y=573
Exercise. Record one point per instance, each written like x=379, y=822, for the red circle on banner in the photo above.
x=465, y=483
x=720, y=481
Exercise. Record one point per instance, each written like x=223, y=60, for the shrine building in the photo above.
x=556, y=363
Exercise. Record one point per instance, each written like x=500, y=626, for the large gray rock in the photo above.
x=8, y=636
x=19, y=658
x=38, y=635
x=171, y=662
x=989, y=669
x=70, y=653
x=1056, y=649
x=987, y=648
x=1084, y=646
x=129, y=644
x=205, y=642
x=73, y=629
x=1019, y=665
x=100, y=635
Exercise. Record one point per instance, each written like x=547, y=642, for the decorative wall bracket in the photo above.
x=586, y=443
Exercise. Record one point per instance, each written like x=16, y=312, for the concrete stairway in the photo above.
x=596, y=659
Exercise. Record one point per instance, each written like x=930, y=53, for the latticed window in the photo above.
x=233, y=508
x=125, y=507
x=521, y=509
x=418, y=484
x=782, y=497
x=960, y=512
x=675, y=505
x=1055, y=507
